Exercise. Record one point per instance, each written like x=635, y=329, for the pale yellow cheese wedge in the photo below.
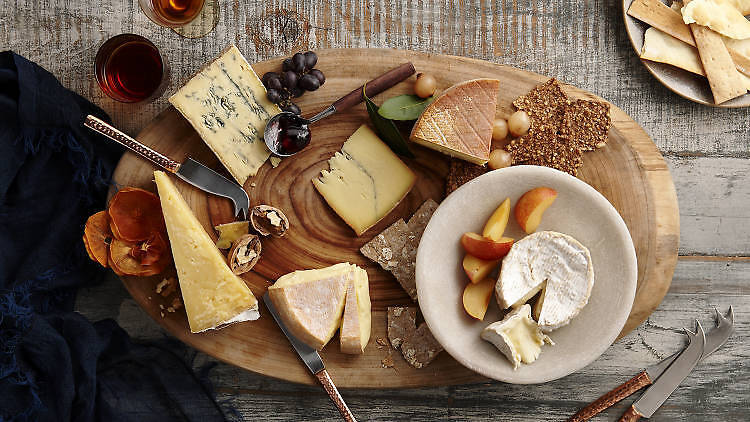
x=356, y=322
x=212, y=294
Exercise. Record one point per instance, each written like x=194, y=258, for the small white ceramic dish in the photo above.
x=579, y=211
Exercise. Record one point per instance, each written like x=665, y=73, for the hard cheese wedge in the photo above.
x=459, y=122
x=365, y=182
x=212, y=294
x=226, y=104
x=356, y=322
x=517, y=336
x=311, y=302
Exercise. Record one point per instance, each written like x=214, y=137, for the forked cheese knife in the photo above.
x=190, y=170
x=314, y=363
x=714, y=340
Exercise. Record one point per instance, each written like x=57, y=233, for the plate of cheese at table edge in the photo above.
x=353, y=213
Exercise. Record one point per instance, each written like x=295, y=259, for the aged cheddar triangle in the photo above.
x=311, y=302
x=212, y=294
x=356, y=321
x=459, y=122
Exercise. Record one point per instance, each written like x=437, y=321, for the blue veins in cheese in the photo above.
x=365, y=182
x=226, y=104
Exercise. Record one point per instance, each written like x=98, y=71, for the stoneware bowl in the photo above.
x=579, y=211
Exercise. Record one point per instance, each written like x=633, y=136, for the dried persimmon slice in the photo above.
x=135, y=214
x=122, y=261
x=151, y=250
x=97, y=236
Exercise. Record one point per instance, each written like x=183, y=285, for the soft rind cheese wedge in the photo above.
x=459, y=122
x=553, y=261
x=365, y=182
x=356, y=322
x=310, y=302
x=212, y=294
x=226, y=104
x=517, y=336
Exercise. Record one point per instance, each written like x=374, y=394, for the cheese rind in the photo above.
x=552, y=260
x=356, y=322
x=459, y=122
x=226, y=104
x=212, y=294
x=311, y=302
x=365, y=182
x=517, y=337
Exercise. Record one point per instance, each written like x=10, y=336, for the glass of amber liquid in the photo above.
x=130, y=69
x=189, y=18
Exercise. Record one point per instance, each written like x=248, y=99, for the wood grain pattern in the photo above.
x=630, y=172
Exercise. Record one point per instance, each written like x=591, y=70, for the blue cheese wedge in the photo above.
x=212, y=294
x=365, y=182
x=552, y=261
x=226, y=104
x=517, y=336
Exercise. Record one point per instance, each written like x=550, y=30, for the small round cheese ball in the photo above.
x=499, y=158
x=499, y=130
x=519, y=123
x=425, y=85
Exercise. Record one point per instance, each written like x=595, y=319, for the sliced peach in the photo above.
x=531, y=206
x=477, y=297
x=478, y=269
x=495, y=226
x=484, y=248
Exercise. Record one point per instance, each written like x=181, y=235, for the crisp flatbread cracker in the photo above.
x=461, y=172
x=725, y=81
x=417, y=344
x=586, y=124
x=719, y=15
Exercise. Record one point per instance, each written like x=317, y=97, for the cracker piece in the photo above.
x=461, y=172
x=417, y=344
x=395, y=249
x=725, y=81
x=586, y=124
x=545, y=105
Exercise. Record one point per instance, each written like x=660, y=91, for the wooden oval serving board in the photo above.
x=629, y=171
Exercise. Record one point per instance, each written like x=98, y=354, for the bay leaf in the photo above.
x=404, y=107
x=386, y=129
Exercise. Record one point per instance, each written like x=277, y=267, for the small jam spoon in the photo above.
x=287, y=133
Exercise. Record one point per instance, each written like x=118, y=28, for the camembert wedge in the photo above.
x=311, y=302
x=226, y=104
x=553, y=261
x=212, y=294
x=459, y=122
x=517, y=336
x=356, y=322
x=365, y=182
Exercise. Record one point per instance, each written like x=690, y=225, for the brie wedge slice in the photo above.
x=356, y=321
x=553, y=261
x=517, y=336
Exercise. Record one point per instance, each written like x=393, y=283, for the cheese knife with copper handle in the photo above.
x=714, y=340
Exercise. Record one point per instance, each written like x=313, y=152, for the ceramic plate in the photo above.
x=681, y=82
x=579, y=211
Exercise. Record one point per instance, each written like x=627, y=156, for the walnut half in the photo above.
x=266, y=220
x=244, y=254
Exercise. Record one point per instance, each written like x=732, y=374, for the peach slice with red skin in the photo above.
x=484, y=248
x=495, y=226
x=477, y=297
x=478, y=269
x=532, y=205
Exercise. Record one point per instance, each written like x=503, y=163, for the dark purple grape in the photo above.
x=268, y=76
x=311, y=59
x=274, y=96
x=275, y=83
x=296, y=91
x=309, y=82
x=298, y=62
x=287, y=65
x=290, y=79
x=292, y=108
x=318, y=74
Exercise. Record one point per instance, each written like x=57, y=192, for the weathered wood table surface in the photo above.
x=582, y=43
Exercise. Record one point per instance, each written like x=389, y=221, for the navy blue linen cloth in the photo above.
x=54, y=364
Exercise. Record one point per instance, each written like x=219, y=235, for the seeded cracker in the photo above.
x=586, y=123
x=461, y=172
x=395, y=248
x=545, y=105
x=417, y=344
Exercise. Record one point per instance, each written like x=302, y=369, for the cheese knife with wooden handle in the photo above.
x=714, y=340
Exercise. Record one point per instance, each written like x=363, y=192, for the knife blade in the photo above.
x=659, y=391
x=312, y=360
x=190, y=170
